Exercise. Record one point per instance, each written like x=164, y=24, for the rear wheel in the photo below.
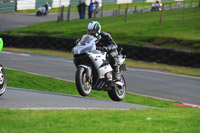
x=3, y=80
x=84, y=88
x=46, y=13
x=117, y=93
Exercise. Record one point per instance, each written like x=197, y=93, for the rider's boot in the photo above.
x=116, y=73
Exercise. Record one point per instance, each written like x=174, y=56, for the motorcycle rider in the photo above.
x=105, y=43
x=46, y=5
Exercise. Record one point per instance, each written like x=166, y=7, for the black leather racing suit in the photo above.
x=47, y=7
x=107, y=44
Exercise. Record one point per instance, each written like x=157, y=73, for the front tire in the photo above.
x=3, y=80
x=38, y=13
x=118, y=93
x=84, y=88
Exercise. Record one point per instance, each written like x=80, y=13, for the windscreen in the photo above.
x=86, y=39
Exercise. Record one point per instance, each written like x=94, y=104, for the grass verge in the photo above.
x=169, y=119
x=131, y=63
x=107, y=121
x=35, y=82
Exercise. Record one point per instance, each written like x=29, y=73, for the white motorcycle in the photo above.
x=42, y=11
x=3, y=80
x=156, y=7
x=94, y=71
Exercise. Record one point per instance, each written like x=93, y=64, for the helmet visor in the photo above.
x=91, y=32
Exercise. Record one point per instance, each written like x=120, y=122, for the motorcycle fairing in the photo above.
x=102, y=84
x=85, y=45
x=98, y=58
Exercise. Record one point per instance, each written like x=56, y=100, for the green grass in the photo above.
x=131, y=63
x=169, y=118
x=98, y=121
x=35, y=82
x=41, y=52
x=141, y=29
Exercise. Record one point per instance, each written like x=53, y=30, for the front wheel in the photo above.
x=117, y=93
x=84, y=88
x=38, y=13
x=3, y=80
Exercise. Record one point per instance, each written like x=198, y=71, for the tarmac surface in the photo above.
x=140, y=81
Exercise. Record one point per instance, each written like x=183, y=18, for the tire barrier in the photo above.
x=42, y=42
x=164, y=56
x=140, y=53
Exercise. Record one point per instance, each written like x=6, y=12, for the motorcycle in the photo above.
x=3, y=80
x=42, y=11
x=94, y=71
x=156, y=7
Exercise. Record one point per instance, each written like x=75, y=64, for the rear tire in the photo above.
x=3, y=80
x=46, y=13
x=117, y=93
x=81, y=85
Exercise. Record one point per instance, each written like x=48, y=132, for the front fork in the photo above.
x=88, y=72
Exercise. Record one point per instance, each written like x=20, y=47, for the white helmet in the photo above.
x=94, y=28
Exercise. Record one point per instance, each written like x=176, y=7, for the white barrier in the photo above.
x=123, y=1
x=26, y=4
x=31, y=4
x=87, y=2
x=57, y=3
x=152, y=0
